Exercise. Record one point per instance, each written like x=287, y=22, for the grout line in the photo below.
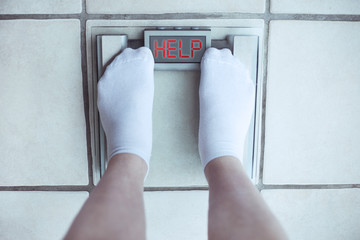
x=62, y=188
x=309, y=186
x=316, y=17
x=267, y=7
x=88, y=188
x=83, y=9
x=155, y=189
x=161, y=16
x=39, y=16
x=215, y=15
x=267, y=14
x=83, y=18
x=263, y=112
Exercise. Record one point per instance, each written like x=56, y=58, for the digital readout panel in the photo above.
x=177, y=49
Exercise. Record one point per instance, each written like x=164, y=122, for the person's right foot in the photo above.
x=227, y=98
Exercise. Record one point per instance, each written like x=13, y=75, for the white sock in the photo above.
x=125, y=99
x=227, y=98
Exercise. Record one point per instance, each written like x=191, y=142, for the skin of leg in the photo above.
x=115, y=207
x=236, y=209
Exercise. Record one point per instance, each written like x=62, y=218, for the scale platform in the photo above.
x=175, y=160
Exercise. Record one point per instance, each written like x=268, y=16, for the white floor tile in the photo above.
x=176, y=215
x=42, y=123
x=40, y=6
x=312, y=106
x=163, y=6
x=317, y=214
x=316, y=6
x=38, y=215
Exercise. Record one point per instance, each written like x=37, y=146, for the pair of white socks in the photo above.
x=125, y=99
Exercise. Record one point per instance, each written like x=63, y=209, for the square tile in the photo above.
x=43, y=131
x=317, y=214
x=315, y=6
x=176, y=215
x=312, y=106
x=38, y=215
x=40, y=6
x=163, y=6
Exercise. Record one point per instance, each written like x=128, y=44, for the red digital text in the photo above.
x=172, y=48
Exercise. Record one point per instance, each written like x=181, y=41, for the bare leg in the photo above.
x=115, y=208
x=236, y=209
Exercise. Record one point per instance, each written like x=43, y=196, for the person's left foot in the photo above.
x=125, y=98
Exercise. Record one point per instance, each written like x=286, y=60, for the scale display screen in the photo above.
x=177, y=46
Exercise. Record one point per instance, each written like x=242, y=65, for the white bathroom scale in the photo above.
x=177, y=51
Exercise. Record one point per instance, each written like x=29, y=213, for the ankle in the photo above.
x=225, y=171
x=129, y=167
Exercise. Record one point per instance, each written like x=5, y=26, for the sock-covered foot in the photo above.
x=125, y=98
x=227, y=98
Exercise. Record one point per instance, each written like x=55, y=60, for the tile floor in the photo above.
x=309, y=163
